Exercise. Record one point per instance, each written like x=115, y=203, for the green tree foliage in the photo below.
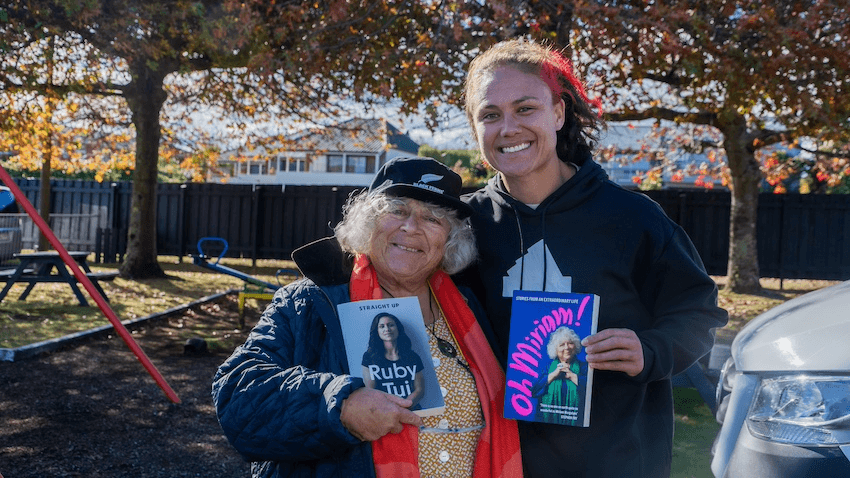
x=468, y=163
x=450, y=157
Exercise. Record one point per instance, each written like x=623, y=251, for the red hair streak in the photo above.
x=558, y=65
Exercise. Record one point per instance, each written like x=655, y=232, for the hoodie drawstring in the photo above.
x=543, y=236
x=521, y=247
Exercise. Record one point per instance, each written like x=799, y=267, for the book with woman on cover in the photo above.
x=548, y=379
x=387, y=346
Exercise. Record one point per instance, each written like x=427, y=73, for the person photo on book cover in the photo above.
x=390, y=364
x=551, y=220
x=561, y=385
x=286, y=398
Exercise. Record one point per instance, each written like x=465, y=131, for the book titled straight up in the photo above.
x=387, y=346
x=548, y=379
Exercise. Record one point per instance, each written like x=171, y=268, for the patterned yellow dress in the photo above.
x=447, y=442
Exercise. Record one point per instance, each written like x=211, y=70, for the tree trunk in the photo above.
x=44, y=199
x=47, y=150
x=743, y=266
x=145, y=97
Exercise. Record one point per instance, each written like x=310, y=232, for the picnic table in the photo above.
x=48, y=266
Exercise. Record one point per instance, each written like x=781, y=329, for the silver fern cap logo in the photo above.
x=429, y=178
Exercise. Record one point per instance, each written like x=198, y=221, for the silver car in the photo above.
x=784, y=394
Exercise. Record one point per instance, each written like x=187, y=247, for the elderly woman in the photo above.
x=562, y=383
x=286, y=399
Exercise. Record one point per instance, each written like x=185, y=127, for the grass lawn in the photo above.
x=694, y=433
x=52, y=311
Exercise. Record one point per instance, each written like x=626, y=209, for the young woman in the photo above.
x=550, y=220
x=390, y=349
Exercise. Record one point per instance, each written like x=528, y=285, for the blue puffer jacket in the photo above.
x=279, y=395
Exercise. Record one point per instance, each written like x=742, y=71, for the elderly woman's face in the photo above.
x=566, y=350
x=408, y=243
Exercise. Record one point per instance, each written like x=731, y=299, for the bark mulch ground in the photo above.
x=93, y=410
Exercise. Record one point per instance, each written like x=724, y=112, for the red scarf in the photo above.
x=497, y=454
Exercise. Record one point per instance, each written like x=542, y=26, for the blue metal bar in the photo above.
x=202, y=260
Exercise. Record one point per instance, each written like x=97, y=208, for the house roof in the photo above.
x=355, y=135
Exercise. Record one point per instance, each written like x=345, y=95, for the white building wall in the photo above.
x=317, y=176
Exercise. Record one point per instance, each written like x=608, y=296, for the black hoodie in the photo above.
x=592, y=236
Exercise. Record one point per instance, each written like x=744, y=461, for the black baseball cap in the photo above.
x=423, y=179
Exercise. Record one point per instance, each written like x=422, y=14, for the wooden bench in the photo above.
x=28, y=276
x=102, y=276
x=97, y=277
x=6, y=274
x=49, y=266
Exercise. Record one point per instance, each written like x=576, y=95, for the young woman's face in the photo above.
x=408, y=243
x=516, y=123
x=387, y=329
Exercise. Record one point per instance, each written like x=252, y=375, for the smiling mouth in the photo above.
x=406, y=249
x=514, y=149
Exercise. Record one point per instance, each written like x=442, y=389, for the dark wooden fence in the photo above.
x=80, y=209
x=799, y=236
x=257, y=221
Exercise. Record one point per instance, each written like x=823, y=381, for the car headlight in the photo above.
x=810, y=410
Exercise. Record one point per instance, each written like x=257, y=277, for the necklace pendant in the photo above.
x=446, y=347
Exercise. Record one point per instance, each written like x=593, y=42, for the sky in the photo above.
x=455, y=133
x=452, y=131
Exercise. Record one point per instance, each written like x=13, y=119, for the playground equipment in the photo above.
x=87, y=284
x=254, y=288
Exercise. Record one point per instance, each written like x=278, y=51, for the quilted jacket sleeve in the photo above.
x=279, y=395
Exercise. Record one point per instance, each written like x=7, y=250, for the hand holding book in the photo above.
x=369, y=414
x=618, y=350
